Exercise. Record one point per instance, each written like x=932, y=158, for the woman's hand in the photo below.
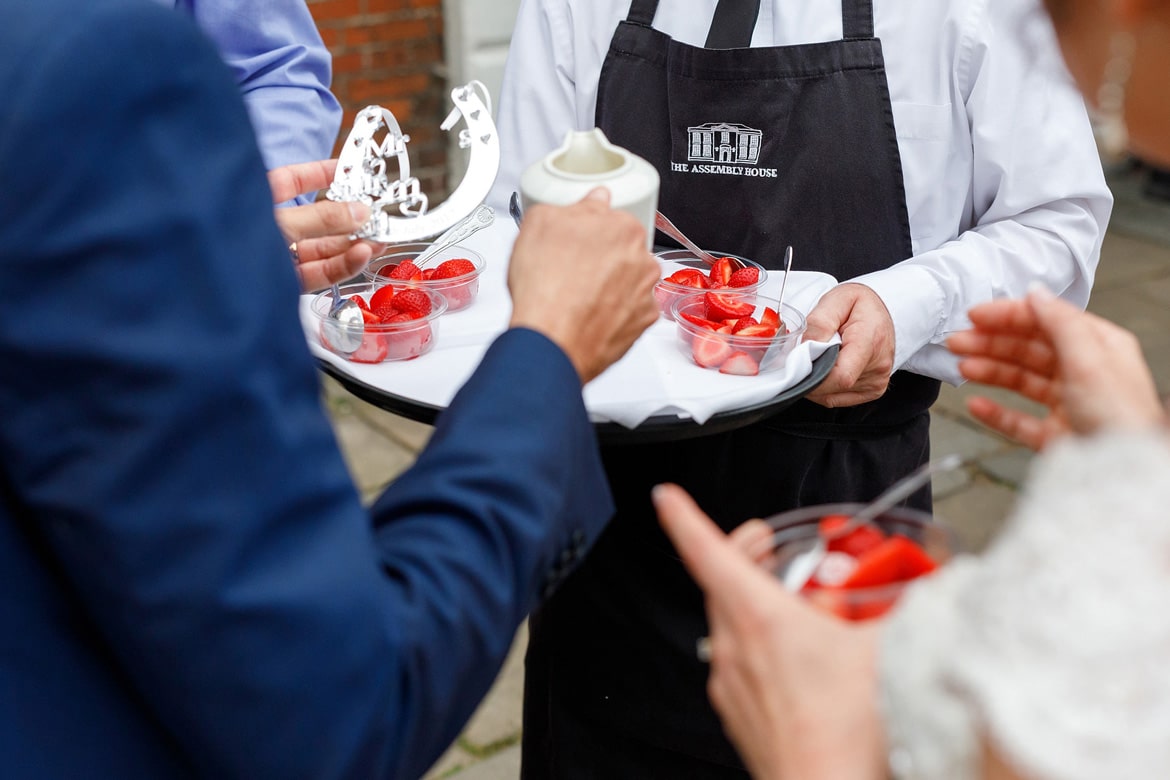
x=320, y=231
x=1089, y=372
x=796, y=689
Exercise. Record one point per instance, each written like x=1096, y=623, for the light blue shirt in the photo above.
x=283, y=69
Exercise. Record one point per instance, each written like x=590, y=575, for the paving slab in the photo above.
x=504, y=765
x=498, y=718
x=372, y=459
x=451, y=763
x=977, y=512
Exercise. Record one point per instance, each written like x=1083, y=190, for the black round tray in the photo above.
x=663, y=427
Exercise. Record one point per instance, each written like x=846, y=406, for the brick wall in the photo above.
x=390, y=53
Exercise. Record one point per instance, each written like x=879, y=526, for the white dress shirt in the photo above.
x=1003, y=182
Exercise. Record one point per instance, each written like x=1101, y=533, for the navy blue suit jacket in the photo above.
x=190, y=585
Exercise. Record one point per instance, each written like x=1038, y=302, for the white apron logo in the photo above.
x=724, y=148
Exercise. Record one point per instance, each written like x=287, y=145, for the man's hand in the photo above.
x=796, y=689
x=321, y=230
x=866, y=361
x=1089, y=372
x=581, y=275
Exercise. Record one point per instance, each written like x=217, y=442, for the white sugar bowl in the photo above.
x=586, y=160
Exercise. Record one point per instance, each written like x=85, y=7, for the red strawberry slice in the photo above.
x=407, y=271
x=702, y=322
x=896, y=559
x=413, y=301
x=409, y=342
x=428, y=273
x=743, y=322
x=757, y=331
x=449, y=269
x=460, y=294
x=386, y=311
x=770, y=318
x=360, y=301
x=370, y=318
x=383, y=296
x=857, y=542
x=721, y=271
x=372, y=350
x=721, y=306
x=834, y=569
x=740, y=364
x=744, y=277
x=688, y=277
x=709, y=351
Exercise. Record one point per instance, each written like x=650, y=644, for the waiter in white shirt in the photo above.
x=939, y=164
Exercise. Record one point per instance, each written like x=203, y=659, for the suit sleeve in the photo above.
x=163, y=430
x=282, y=68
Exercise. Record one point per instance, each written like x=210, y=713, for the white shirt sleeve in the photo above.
x=1037, y=205
x=1052, y=646
x=538, y=99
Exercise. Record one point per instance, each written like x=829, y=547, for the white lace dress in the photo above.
x=1054, y=646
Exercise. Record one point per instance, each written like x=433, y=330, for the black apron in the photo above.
x=757, y=149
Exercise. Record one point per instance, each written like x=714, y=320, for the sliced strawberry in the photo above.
x=370, y=318
x=740, y=364
x=709, y=351
x=406, y=271
x=413, y=301
x=702, y=322
x=723, y=306
x=896, y=559
x=857, y=542
x=770, y=318
x=386, y=311
x=744, y=277
x=410, y=341
x=383, y=296
x=834, y=569
x=743, y=322
x=757, y=331
x=372, y=350
x=721, y=271
x=385, y=271
x=360, y=301
x=872, y=606
x=449, y=269
x=687, y=277
x=460, y=294
x=427, y=274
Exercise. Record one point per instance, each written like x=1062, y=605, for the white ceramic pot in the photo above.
x=586, y=160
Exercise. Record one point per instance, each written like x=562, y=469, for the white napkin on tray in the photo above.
x=655, y=376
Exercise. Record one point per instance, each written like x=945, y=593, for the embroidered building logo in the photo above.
x=725, y=148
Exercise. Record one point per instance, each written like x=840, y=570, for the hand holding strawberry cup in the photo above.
x=795, y=688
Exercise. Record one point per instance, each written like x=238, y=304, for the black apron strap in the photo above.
x=642, y=12
x=857, y=18
x=732, y=25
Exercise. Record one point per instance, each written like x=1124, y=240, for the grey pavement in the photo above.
x=1132, y=288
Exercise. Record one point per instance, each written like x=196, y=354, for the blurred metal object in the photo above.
x=399, y=208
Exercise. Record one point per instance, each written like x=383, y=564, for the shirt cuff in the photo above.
x=916, y=303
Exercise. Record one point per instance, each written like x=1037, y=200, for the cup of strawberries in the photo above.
x=864, y=571
x=453, y=272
